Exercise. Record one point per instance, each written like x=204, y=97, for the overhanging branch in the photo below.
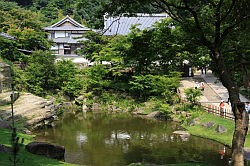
x=229, y=10
x=231, y=28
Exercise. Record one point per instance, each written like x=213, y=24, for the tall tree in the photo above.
x=210, y=24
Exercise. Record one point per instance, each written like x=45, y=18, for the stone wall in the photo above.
x=5, y=77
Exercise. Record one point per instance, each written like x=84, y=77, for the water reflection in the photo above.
x=107, y=140
x=81, y=138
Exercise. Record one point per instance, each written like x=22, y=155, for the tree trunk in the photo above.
x=246, y=78
x=241, y=127
x=238, y=109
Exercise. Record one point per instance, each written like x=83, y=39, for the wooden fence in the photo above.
x=212, y=108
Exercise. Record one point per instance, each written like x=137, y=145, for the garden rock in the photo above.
x=46, y=149
x=96, y=107
x=5, y=98
x=247, y=154
x=84, y=108
x=174, y=119
x=220, y=129
x=157, y=115
x=79, y=100
x=185, y=114
x=184, y=135
x=4, y=124
x=138, y=111
x=35, y=112
x=179, y=132
x=5, y=149
x=194, y=122
x=208, y=124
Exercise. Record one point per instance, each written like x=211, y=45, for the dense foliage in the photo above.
x=214, y=33
x=89, y=12
x=26, y=30
x=214, y=26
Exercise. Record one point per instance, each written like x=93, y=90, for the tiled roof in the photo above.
x=122, y=24
x=75, y=25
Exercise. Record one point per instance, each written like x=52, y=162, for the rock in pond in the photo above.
x=183, y=134
x=157, y=115
x=46, y=149
x=179, y=132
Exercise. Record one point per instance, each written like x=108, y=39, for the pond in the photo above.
x=121, y=139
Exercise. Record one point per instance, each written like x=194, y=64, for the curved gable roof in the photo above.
x=74, y=25
x=67, y=19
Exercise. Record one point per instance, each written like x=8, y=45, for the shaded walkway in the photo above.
x=214, y=90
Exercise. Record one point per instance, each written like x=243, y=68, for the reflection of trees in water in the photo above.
x=120, y=140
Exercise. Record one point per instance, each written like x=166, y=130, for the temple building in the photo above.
x=66, y=35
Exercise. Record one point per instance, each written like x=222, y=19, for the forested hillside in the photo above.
x=88, y=12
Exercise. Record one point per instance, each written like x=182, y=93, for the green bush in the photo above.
x=73, y=87
x=96, y=81
x=39, y=74
x=163, y=108
x=145, y=86
x=193, y=95
x=65, y=70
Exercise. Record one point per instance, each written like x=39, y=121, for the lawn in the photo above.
x=225, y=138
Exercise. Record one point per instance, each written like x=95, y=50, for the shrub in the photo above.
x=96, y=81
x=145, y=86
x=193, y=95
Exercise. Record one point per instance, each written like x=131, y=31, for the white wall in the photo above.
x=59, y=34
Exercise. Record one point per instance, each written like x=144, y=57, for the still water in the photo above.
x=121, y=139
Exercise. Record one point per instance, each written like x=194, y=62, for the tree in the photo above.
x=25, y=26
x=193, y=95
x=210, y=24
x=67, y=78
x=23, y=2
x=8, y=49
x=148, y=51
x=40, y=72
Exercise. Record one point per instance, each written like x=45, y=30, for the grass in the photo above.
x=225, y=138
x=179, y=164
x=25, y=158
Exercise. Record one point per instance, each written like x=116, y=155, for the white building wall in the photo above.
x=54, y=47
x=59, y=34
x=61, y=46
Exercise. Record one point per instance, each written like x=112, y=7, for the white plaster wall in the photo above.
x=61, y=52
x=61, y=46
x=55, y=47
x=76, y=35
x=59, y=34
